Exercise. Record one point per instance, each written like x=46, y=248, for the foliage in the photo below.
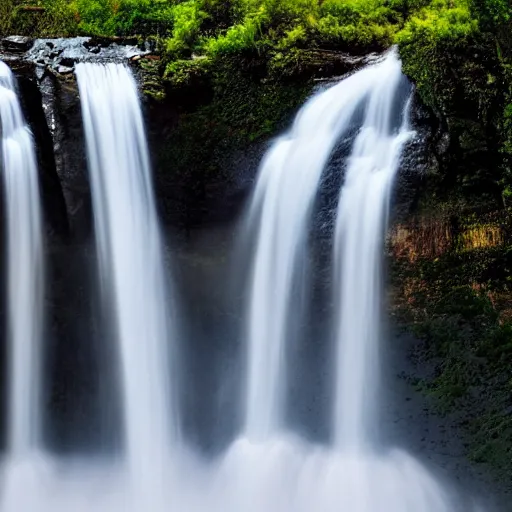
x=492, y=12
x=215, y=27
x=186, y=19
x=122, y=17
x=460, y=304
x=458, y=52
x=430, y=43
x=43, y=18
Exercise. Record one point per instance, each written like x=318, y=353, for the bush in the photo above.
x=429, y=43
x=123, y=17
x=492, y=12
x=238, y=38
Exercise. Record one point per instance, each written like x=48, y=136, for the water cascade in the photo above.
x=25, y=273
x=361, y=225
x=280, y=215
x=130, y=260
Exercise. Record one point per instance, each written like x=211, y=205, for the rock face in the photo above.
x=60, y=55
x=421, y=159
x=53, y=202
x=17, y=44
x=61, y=105
x=201, y=198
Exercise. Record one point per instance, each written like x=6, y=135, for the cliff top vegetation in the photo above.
x=210, y=27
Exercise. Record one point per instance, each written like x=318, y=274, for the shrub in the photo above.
x=238, y=38
x=122, y=17
x=431, y=45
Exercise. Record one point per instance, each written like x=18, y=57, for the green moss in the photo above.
x=214, y=27
x=187, y=73
x=242, y=106
x=492, y=441
x=152, y=85
x=434, y=46
x=49, y=18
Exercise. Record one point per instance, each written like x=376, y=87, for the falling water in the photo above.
x=285, y=192
x=361, y=224
x=24, y=269
x=130, y=259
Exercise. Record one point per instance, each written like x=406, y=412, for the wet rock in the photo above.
x=17, y=43
x=67, y=62
x=51, y=188
x=329, y=66
x=61, y=103
x=420, y=159
x=40, y=71
x=65, y=53
x=64, y=70
x=105, y=42
x=443, y=143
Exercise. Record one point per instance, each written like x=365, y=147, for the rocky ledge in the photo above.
x=59, y=56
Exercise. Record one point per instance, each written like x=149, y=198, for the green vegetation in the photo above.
x=457, y=296
x=218, y=26
x=458, y=300
x=213, y=27
x=438, y=39
x=459, y=53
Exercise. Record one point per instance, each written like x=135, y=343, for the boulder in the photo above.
x=17, y=44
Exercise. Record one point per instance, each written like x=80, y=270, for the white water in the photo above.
x=360, y=228
x=285, y=192
x=130, y=261
x=24, y=270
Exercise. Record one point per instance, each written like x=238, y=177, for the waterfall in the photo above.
x=280, y=215
x=24, y=272
x=360, y=228
x=269, y=467
x=275, y=470
x=130, y=260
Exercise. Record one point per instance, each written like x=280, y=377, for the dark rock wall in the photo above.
x=34, y=107
x=61, y=104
